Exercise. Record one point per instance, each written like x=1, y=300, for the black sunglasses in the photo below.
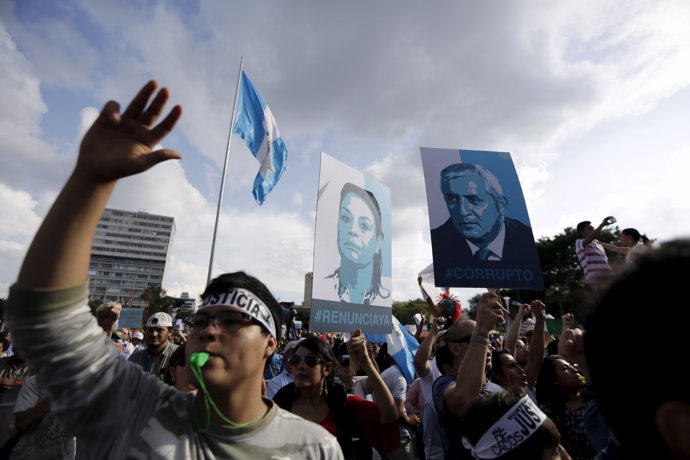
x=309, y=360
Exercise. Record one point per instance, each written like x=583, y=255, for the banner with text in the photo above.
x=352, y=252
x=480, y=229
x=130, y=318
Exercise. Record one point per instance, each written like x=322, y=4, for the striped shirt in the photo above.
x=592, y=258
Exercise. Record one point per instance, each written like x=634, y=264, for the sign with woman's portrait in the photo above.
x=352, y=252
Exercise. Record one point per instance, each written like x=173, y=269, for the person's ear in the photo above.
x=501, y=205
x=379, y=240
x=673, y=423
x=271, y=346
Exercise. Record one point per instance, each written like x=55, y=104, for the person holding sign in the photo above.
x=316, y=396
x=358, y=278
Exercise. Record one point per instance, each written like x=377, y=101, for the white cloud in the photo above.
x=19, y=90
x=17, y=217
x=18, y=223
x=563, y=87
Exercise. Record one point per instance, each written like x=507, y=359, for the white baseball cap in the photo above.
x=138, y=335
x=159, y=319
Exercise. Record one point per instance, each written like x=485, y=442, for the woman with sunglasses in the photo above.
x=315, y=396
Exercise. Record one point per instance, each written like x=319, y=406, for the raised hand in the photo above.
x=538, y=310
x=437, y=323
x=608, y=220
x=107, y=315
x=571, y=347
x=119, y=145
x=357, y=346
x=524, y=310
x=489, y=312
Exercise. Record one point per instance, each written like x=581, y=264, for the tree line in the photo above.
x=563, y=283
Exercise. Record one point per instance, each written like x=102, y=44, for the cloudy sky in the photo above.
x=591, y=98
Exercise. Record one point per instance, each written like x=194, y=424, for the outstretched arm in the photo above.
x=357, y=349
x=420, y=328
x=471, y=374
x=421, y=357
x=514, y=330
x=614, y=248
x=117, y=145
x=433, y=308
x=536, y=345
x=597, y=231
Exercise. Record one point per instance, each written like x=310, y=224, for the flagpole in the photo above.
x=225, y=166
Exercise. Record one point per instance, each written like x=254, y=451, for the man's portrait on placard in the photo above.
x=480, y=230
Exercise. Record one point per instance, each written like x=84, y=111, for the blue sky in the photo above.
x=589, y=97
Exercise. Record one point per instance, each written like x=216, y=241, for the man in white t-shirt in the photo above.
x=396, y=383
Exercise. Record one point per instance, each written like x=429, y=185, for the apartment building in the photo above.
x=129, y=254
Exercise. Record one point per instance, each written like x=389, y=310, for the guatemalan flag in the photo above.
x=402, y=347
x=257, y=127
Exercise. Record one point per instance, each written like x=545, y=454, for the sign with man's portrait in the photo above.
x=480, y=229
x=352, y=252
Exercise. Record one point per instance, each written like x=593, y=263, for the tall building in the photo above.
x=128, y=255
x=308, y=286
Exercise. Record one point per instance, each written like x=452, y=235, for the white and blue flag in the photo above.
x=257, y=127
x=402, y=347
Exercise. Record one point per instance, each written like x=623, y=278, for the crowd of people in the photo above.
x=232, y=387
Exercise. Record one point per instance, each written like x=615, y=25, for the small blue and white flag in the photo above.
x=402, y=347
x=257, y=127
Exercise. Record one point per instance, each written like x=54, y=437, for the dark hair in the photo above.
x=444, y=357
x=377, y=263
x=548, y=391
x=635, y=235
x=4, y=337
x=486, y=410
x=583, y=225
x=334, y=394
x=653, y=280
x=496, y=363
x=228, y=281
x=177, y=359
x=552, y=347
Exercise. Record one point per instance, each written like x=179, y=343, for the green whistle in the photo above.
x=198, y=359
